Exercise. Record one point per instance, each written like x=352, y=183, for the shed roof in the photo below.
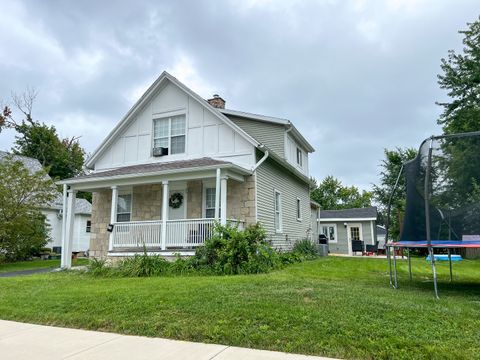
x=367, y=213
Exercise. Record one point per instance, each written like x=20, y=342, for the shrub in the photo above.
x=99, y=267
x=144, y=265
x=232, y=251
x=306, y=248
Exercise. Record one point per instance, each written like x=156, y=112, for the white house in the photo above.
x=54, y=215
x=176, y=163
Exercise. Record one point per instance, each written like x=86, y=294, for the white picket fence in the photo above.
x=184, y=233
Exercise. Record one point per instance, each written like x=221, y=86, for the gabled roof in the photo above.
x=369, y=213
x=162, y=79
x=273, y=120
x=82, y=206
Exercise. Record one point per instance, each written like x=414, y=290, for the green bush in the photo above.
x=232, y=251
x=144, y=265
x=99, y=267
x=306, y=248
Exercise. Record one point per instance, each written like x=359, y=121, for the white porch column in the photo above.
x=223, y=200
x=164, y=213
x=113, y=215
x=217, y=196
x=64, y=223
x=67, y=247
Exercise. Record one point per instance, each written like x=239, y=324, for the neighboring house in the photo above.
x=53, y=213
x=381, y=233
x=177, y=163
x=343, y=226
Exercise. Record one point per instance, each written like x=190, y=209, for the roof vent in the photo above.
x=217, y=102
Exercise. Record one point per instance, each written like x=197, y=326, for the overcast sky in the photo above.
x=354, y=76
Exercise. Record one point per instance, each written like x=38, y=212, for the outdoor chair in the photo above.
x=357, y=246
x=371, y=249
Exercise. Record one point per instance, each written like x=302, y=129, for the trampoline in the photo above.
x=442, y=209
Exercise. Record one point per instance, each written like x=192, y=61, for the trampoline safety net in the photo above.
x=443, y=190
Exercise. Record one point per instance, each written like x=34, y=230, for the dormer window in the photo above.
x=299, y=157
x=169, y=133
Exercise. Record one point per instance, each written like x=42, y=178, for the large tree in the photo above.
x=391, y=165
x=63, y=158
x=23, y=230
x=331, y=194
x=461, y=79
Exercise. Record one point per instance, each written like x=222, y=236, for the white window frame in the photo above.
x=125, y=192
x=277, y=225
x=335, y=232
x=299, y=209
x=299, y=159
x=169, y=116
x=208, y=185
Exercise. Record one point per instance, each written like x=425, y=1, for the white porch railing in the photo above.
x=184, y=233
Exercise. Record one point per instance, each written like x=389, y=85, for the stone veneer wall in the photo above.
x=101, y=204
x=241, y=200
x=147, y=204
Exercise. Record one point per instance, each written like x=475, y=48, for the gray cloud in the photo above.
x=354, y=76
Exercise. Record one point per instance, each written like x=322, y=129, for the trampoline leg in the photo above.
x=395, y=269
x=434, y=271
x=409, y=265
x=450, y=263
x=389, y=265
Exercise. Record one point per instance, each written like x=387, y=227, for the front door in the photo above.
x=176, y=205
x=354, y=232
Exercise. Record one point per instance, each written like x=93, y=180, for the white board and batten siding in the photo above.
x=271, y=177
x=206, y=135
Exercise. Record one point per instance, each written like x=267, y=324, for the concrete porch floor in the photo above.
x=28, y=341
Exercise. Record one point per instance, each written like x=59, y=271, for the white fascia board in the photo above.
x=325, y=220
x=247, y=115
x=146, y=97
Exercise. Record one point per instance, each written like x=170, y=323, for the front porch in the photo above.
x=161, y=214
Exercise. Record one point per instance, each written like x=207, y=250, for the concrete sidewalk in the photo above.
x=27, y=341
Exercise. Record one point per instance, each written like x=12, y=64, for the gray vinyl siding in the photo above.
x=270, y=177
x=269, y=134
x=341, y=247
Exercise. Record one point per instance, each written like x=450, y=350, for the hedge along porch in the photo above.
x=166, y=208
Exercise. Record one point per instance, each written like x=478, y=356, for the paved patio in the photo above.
x=28, y=341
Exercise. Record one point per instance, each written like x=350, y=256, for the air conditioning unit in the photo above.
x=160, y=151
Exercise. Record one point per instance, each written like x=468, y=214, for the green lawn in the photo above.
x=339, y=307
x=36, y=264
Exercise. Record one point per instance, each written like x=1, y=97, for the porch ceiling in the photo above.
x=156, y=172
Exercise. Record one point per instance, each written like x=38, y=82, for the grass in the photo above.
x=37, y=264
x=339, y=307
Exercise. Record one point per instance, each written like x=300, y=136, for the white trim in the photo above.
x=278, y=227
x=165, y=76
x=374, y=238
x=298, y=209
x=344, y=219
x=335, y=231
x=150, y=253
x=223, y=200
x=256, y=196
x=349, y=238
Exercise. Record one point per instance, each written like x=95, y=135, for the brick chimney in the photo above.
x=217, y=102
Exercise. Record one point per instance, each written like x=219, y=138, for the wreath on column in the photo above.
x=176, y=200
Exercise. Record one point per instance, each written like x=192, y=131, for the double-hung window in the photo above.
x=210, y=203
x=88, y=227
x=299, y=157
x=124, y=207
x=278, y=211
x=299, y=209
x=169, y=132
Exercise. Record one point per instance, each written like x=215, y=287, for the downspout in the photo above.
x=265, y=156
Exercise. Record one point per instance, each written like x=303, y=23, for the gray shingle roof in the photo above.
x=154, y=167
x=357, y=213
x=82, y=206
x=33, y=165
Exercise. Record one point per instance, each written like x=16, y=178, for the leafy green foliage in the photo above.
x=63, y=158
x=305, y=247
x=23, y=231
x=461, y=79
x=391, y=165
x=331, y=194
